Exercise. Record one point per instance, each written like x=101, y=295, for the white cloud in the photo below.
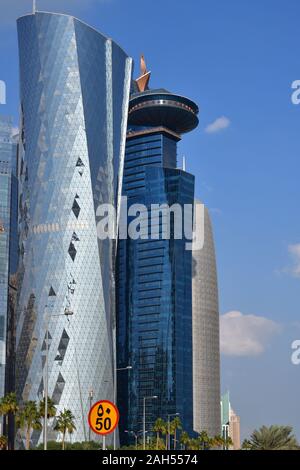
x=215, y=210
x=293, y=269
x=219, y=124
x=294, y=251
x=245, y=335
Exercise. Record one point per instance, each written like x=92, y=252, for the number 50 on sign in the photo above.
x=103, y=417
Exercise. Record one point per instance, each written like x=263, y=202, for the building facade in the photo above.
x=75, y=86
x=8, y=250
x=230, y=422
x=235, y=430
x=154, y=330
x=206, y=349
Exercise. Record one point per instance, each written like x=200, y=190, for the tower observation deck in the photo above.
x=160, y=108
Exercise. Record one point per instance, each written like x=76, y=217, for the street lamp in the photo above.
x=117, y=369
x=225, y=432
x=153, y=397
x=67, y=312
x=91, y=395
x=136, y=435
x=169, y=437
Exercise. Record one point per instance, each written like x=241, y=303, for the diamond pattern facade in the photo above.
x=206, y=350
x=74, y=99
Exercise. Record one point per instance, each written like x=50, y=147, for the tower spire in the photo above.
x=33, y=6
x=143, y=67
x=143, y=80
x=183, y=163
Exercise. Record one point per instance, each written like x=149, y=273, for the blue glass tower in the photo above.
x=154, y=328
x=8, y=251
x=75, y=86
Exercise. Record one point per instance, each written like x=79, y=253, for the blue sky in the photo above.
x=237, y=59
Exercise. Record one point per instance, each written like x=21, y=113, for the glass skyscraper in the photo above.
x=8, y=250
x=75, y=86
x=154, y=330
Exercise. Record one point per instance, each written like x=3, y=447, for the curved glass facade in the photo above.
x=154, y=291
x=206, y=349
x=8, y=247
x=74, y=98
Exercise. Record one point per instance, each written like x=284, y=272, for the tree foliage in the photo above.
x=28, y=419
x=51, y=408
x=65, y=424
x=273, y=438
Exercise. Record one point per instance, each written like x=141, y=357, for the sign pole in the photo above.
x=103, y=419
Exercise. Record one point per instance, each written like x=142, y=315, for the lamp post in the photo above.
x=117, y=369
x=66, y=313
x=136, y=435
x=91, y=395
x=169, y=430
x=225, y=432
x=153, y=397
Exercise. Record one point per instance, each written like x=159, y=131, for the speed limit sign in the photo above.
x=103, y=417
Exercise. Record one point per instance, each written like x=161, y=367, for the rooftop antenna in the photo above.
x=34, y=6
x=183, y=163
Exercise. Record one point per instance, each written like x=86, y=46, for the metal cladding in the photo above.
x=75, y=87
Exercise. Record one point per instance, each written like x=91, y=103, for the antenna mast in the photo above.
x=34, y=7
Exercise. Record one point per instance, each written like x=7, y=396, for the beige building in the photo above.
x=234, y=429
x=206, y=353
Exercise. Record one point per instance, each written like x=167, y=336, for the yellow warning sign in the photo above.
x=103, y=417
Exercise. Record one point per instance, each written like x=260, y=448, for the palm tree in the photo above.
x=3, y=442
x=228, y=442
x=274, y=438
x=8, y=406
x=193, y=444
x=51, y=410
x=165, y=432
x=204, y=440
x=184, y=439
x=28, y=418
x=159, y=427
x=217, y=441
x=65, y=423
x=175, y=424
x=246, y=445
